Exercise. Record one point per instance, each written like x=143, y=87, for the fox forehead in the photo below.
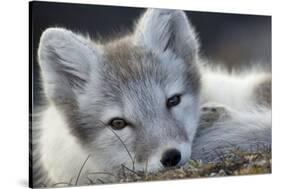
x=126, y=63
x=137, y=80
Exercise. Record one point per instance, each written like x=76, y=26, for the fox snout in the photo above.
x=171, y=158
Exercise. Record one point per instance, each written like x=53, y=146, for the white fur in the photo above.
x=247, y=130
x=233, y=90
x=62, y=155
x=77, y=55
x=156, y=20
x=178, y=84
x=113, y=112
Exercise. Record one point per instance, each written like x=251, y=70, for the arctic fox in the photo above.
x=136, y=102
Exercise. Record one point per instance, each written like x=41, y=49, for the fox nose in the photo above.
x=171, y=158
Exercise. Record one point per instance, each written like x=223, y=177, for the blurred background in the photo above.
x=230, y=39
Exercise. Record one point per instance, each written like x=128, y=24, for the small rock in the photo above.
x=222, y=173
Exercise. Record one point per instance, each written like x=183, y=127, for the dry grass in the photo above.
x=240, y=164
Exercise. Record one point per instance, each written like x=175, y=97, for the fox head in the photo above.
x=131, y=100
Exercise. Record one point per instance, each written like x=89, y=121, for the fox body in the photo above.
x=136, y=101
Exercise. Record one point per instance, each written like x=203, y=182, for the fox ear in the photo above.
x=161, y=29
x=65, y=59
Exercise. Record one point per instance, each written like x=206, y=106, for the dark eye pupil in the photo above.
x=173, y=101
x=118, y=123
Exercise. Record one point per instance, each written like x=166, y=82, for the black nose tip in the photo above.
x=171, y=158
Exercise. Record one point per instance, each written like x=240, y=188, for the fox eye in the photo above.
x=118, y=123
x=173, y=101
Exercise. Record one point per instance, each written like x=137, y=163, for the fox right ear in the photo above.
x=162, y=29
x=65, y=59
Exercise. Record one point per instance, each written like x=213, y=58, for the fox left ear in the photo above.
x=161, y=30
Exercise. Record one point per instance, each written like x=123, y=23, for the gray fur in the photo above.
x=87, y=84
x=263, y=93
x=219, y=136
